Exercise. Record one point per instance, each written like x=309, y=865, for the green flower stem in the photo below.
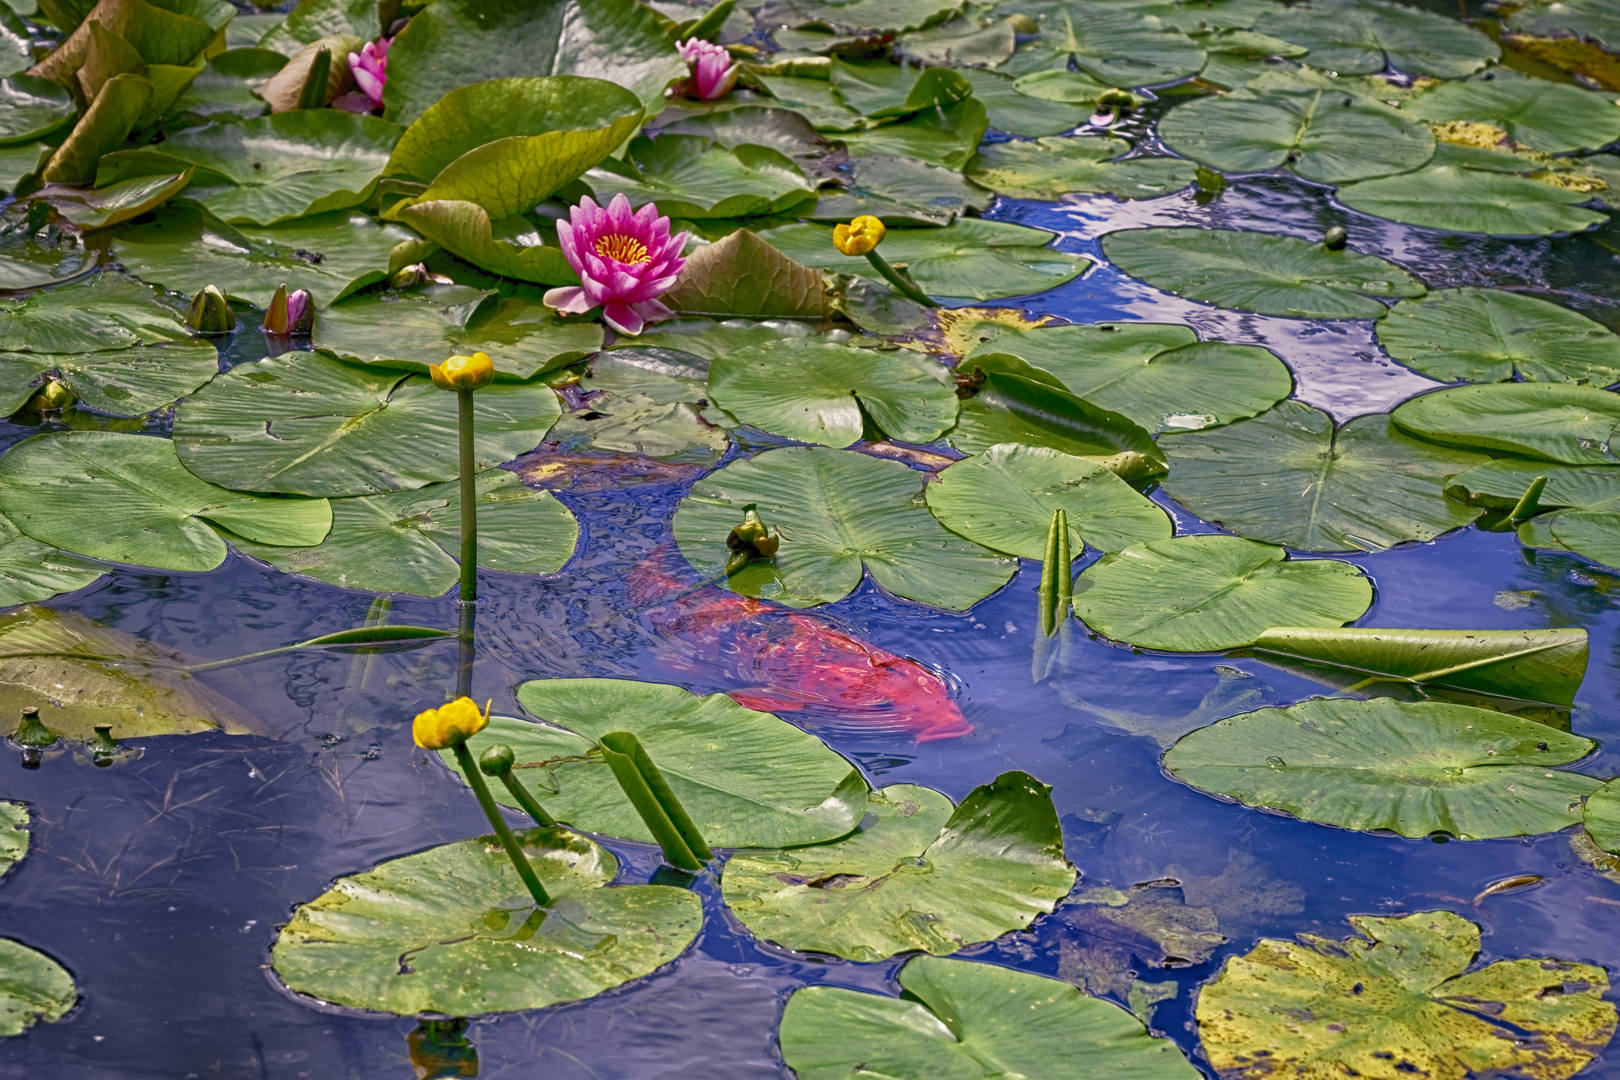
x=1057, y=575
x=465, y=635
x=469, y=497
x=902, y=284
x=658, y=806
x=530, y=804
x=520, y=862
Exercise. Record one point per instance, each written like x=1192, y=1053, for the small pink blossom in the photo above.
x=300, y=313
x=369, y=67
x=625, y=262
x=713, y=73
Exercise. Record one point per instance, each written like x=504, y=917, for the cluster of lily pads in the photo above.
x=515, y=180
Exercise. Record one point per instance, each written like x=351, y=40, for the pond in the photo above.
x=1198, y=848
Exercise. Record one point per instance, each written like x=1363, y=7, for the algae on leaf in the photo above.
x=1053, y=167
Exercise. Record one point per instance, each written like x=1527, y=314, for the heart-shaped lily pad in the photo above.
x=841, y=514
x=1208, y=592
x=1051, y=168
x=450, y=930
x=746, y=778
x=1555, y=422
x=1473, y=201
x=1486, y=335
x=1112, y=42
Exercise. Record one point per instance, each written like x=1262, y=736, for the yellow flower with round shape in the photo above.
x=464, y=372
x=444, y=727
x=859, y=236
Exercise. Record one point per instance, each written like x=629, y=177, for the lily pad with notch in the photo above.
x=1551, y=421
x=1116, y=44
x=1354, y=37
x=1487, y=335
x=1553, y=117
x=689, y=176
x=1452, y=199
x=1053, y=167
x=1018, y=113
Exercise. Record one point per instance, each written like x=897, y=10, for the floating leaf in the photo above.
x=1555, y=118
x=902, y=192
x=1486, y=335
x=841, y=513
x=1209, y=592
x=34, y=988
x=450, y=930
x=1263, y=272
x=409, y=541
x=1158, y=374
x=826, y=393
x=304, y=424
x=1470, y=201
x=420, y=328
x=690, y=177
x=1354, y=37
x=13, y=835
x=224, y=87
x=1291, y=477
x=1051, y=168
x=1110, y=41
x=865, y=17
x=743, y=274
x=1018, y=113
x=1412, y=768
x=992, y=865
x=884, y=90
x=1004, y=498
x=970, y=1020
x=120, y=382
x=1603, y=817
x=511, y=247
x=1557, y=422
x=105, y=312
x=101, y=208
x=746, y=778
x=311, y=20
x=959, y=42
x=944, y=137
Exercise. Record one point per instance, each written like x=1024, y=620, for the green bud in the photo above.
x=32, y=732
x=753, y=536
x=1335, y=238
x=497, y=761
x=1023, y=24
x=211, y=313
x=54, y=395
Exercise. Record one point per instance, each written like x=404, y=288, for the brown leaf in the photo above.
x=744, y=275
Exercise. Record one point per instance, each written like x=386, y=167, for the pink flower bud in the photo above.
x=713, y=73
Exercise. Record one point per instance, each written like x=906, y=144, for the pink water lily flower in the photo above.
x=625, y=261
x=713, y=73
x=369, y=67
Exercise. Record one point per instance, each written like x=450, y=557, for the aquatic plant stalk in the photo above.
x=901, y=281
x=1057, y=575
x=1526, y=507
x=498, y=761
x=514, y=851
x=469, y=497
x=658, y=806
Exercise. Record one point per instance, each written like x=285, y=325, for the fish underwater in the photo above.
x=788, y=662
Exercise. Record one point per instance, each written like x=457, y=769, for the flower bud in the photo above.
x=55, y=394
x=860, y=236
x=32, y=732
x=448, y=725
x=1335, y=238
x=289, y=313
x=753, y=536
x=497, y=761
x=211, y=313
x=464, y=372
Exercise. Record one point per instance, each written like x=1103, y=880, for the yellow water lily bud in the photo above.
x=860, y=236
x=444, y=727
x=464, y=372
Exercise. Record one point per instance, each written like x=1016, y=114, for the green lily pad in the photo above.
x=1528, y=665
x=1051, y=168
x=1553, y=421
x=507, y=144
x=742, y=274
x=959, y=42
x=983, y=260
x=1262, y=272
x=1322, y=136
x=1500, y=482
x=902, y=192
x=709, y=339
x=1018, y=113
x=1004, y=499
x=470, y=41
x=1555, y=118
x=1158, y=374
x=884, y=90
x=225, y=86
x=1486, y=335
x=1603, y=817
x=1355, y=37
x=918, y=874
x=1209, y=592
x=104, y=312
x=420, y=328
x=813, y=99
x=1061, y=84
x=967, y=1020
x=1418, y=1009
x=31, y=107
x=632, y=423
x=1414, y=768
x=451, y=930
x=34, y=988
x=106, y=124
x=689, y=176
x=304, y=424
x=330, y=255
x=1291, y=477
x=821, y=392
x=120, y=382
x=746, y=778
x=101, y=208
x=13, y=835
x=127, y=499
x=1470, y=201
x=20, y=160
x=409, y=541
x=943, y=137
x=511, y=247
x=1109, y=41
x=864, y=17
x=311, y=20
x=840, y=514
x=31, y=572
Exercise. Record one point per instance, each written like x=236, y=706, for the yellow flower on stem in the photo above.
x=859, y=236
x=449, y=725
x=464, y=372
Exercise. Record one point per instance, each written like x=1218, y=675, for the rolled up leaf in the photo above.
x=653, y=799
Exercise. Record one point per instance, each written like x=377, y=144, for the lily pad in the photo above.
x=634, y=423
x=225, y=86
x=1552, y=421
x=1206, y=593
x=101, y=208
x=34, y=988
x=450, y=930
x=970, y=257
x=311, y=20
x=917, y=874
x=120, y=382
x=1356, y=37
x=884, y=90
x=1414, y=768
x=469, y=41
x=1603, y=817
x=304, y=424
x=959, y=42
x=944, y=137
x=902, y=192
x=330, y=255
x=820, y=392
x=13, y=835
x=1004, y=499
x=1291, y=477
x=967, y=1020
x=31, y=571
x=1158, y=374
x=1018, y=113
x=689, y=176
x=746, y=778
x=1322, y=136
x=742, y=274
x=1118, y=45
x=1555, y=118
x=127, y=499
x=1051, y=168
x=32, y=107
x=511, y=247
x=1486, y=335
x=420, y=328
x=1471, y=201
x=409, y=541
x=105, y=312
x=841, y=514
x=1296, y=1007
x=1262, y=272
x=860, y=16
